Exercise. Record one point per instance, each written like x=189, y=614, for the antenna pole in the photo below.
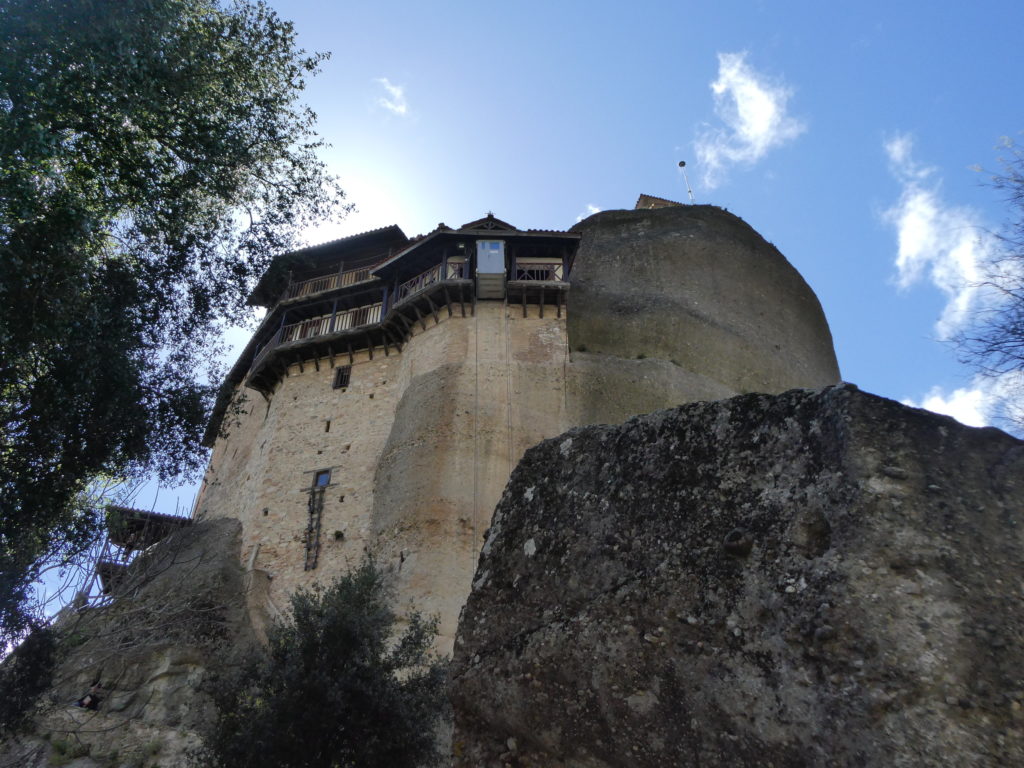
x=682, y=164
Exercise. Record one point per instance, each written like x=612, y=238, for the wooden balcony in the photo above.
x=331, y=282
x=538, y=282
x=443, y=287
x=336, y=333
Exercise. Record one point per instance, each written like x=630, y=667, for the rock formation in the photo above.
x=665, y=306
x=179, y=619
x=815, y=578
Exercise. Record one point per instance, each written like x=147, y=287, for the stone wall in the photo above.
x=420, y=446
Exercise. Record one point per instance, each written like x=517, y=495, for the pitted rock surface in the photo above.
x=814, y=578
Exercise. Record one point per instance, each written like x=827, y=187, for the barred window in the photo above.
x=342, y=374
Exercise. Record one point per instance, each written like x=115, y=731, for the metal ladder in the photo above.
x=316, y=508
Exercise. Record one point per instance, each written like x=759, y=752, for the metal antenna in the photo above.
x=682, y=164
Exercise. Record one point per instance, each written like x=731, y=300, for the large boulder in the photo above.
x=686, y=303
x=814, y=578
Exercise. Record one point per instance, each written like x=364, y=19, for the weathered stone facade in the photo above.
x=674, y=305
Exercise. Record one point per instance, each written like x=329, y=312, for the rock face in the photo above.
x=179, y=618
x=686, y=303
x=814, y=578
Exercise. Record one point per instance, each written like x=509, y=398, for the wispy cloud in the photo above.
x=590, y=211
x=987, y=400
x=944, y=243
x=395, y=101
x=753, y=110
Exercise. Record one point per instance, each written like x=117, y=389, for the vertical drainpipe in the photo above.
x=384, y=302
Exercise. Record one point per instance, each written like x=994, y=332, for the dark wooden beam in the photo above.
x=462, y=300
x=351, y=358
x=396, y=342
x=447, y=300
x=559, y=294
x=419, y=314
x=524, y=302
x=542, y=301
x=369, y=345
x=433, y=309
x=316, y=361
x=406, y=325
x=330, y=351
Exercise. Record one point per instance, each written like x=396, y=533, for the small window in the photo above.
x=342, y=375
x=322, y=478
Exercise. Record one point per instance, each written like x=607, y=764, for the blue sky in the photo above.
x=845, y=133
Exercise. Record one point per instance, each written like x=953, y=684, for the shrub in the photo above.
x=337, y=687
x=25, y=674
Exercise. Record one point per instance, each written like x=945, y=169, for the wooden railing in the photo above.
x=547, y=271
x=328, y=282
x=438, y=272
x=344, y=320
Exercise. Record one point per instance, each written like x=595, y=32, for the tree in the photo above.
x=152, y=159
x=995, y=342
x=336, y=688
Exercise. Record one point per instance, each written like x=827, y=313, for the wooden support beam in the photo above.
x=397, y=343
x=369, y=345
x=405, y=323
x=524, y=302
x=302, y=368
x=462, y=301
x=316, y=362
x=330, y=351
x=472, y=309
x=351, y=358
x=447, y=300
x=433, y=310
x=419, y=314
x=387, y=352
x=559, y=294
x=542, y=301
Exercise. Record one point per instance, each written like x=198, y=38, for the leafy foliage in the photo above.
x=25, y=674
x=336, y=688
x=995, y=343
x=152, y=160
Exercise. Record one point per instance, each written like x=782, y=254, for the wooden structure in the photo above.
x=130, y=531
x=370, y=291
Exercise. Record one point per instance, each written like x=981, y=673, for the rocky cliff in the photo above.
x=815, y=578
x=181, y=617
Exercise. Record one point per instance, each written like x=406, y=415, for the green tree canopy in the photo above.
x=335, y=689
x=153, y=158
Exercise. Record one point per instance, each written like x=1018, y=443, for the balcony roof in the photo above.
x=488, y=227
x=275, y=279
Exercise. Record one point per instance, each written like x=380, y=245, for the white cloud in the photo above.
x=395, y=101
x=946, y=243
x=987, y=400
x=753, y=109
x=591, y=210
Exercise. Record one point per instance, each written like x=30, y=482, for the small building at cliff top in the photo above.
x=395, y=382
